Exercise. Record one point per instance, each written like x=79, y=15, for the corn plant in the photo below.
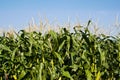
x=62, y=55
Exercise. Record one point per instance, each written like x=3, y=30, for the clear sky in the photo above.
x=18, y=13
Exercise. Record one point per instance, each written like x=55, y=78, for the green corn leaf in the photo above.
x=40, y=71
x=98, y=76
x=13, y=53
x=88, y=75
x=74, y=67
x=61, y=46
x=59, y=58
x=88, y=23
x=5, y=47
x=22, y=75
x=5, y=57
x=68, y=43
x=67, y=74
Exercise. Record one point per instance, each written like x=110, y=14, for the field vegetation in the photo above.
x=59, y=55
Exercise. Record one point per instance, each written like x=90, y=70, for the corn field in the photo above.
x=63, y=55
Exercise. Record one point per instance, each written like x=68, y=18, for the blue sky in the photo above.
x=18, y=13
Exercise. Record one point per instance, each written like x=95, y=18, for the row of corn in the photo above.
x=62, y=55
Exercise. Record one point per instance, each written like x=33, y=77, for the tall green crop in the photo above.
x=60, y=55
